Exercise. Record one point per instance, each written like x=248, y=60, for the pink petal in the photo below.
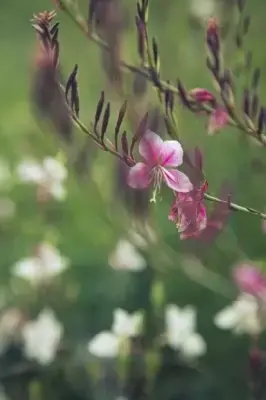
x=171, y=154
x=150, y=147
x=218, y=120
x=139, y=176
x=202, y=217
x=202, y=95
x=249, y=279
x=177, y=180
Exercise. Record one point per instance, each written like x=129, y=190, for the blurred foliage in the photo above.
x=87, y=225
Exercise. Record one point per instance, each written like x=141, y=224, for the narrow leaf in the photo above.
x=119, y=121
x=105, y=122
x=71, y=79
x=99, y=110
x=124, y=143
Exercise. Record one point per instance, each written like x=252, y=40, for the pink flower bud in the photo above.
x=218, y=120
x=201, y=95
x=249, y=279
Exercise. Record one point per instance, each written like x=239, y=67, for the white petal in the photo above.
x=194, y=346
x=226, y=318
x=54, y=169
x=126, y=257
x=52, y=261
x=179, y=324
x=121, y=321
x=58, y=191
x=29, y=269
x=42, y=337
x=31, y=171
x=104, y=345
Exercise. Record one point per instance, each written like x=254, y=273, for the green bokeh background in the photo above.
x=86, y=226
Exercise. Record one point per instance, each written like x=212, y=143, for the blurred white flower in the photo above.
x=7, y=208
x=203, y=9
x=126, y=257
x=49, y=175
x=42, y=337
x=10, y=321
x=125, y=324
x=104, y=345
x=44, y=265
x=181, y=331
x=241, y=316
x=107, y=344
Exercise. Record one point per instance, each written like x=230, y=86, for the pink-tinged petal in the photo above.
x=249, y=279
x=171, y=154
x=202, y=217
x=139, y=176
x=218, y=120
x=201, y=95
x=150, y=147
x=177, y=180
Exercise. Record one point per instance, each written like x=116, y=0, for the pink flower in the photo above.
x=160, y=162
x=249, y=279
x=218, y=120
x=202, y=95
x=189, y=212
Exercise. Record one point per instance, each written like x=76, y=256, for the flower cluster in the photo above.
x=161, y=160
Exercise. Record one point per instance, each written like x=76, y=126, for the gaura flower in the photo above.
x=241, y=316
x=218, y=120
x=107, y=344
x=250, y=280
x=189, y=212
x=44, y=265
x=49, y=176
x=160, y=162
x=42, y=337
x=181, y=331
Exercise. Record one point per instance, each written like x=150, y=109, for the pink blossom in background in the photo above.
x=189, y=212
x=218, y=120
x=249, y=279
x=160, y=162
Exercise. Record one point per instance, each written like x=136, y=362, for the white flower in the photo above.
x=180, y=331
x=126, y=257
x=49, y=175
x=126, y=325
x=107, y=344
x=241, y=316
x=46, y=264
x=42, y=337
